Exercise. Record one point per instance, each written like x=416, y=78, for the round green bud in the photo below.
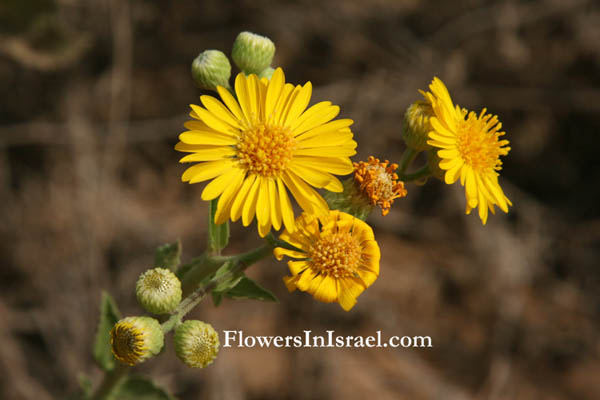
x=196, y=343
x=433, y=160
x=416, y=126
x=252, y=53
x=158, y=290
x=135, y=339
x=266, y=73
x=211, y=69
x=351, y=200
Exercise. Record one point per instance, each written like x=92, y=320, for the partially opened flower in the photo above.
x=379, y=182
x=469, y=148
x=263, y=144
x=339, y=257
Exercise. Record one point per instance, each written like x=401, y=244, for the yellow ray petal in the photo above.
x=316, y=178
x=241, y=90
x=306, y=196
x=207, y=138
x=311, y=112
x=299, y=104
x=249, y=209
x=207, y=170
x=287, y=212
x=219, y=184
x=275, y=205
x=238, y=203
x=321, y=118
x=215, y=153
x=214, y=122
x=273, y=92
x=220, y=111
x=228, y=196
x=232, y=104
x=337, y=166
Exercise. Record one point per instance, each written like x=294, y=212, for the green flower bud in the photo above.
x=351, y=200
x=136, y=339
x=252, y=53
x=433, y=160
x=211, y=69
x=266, y=73
x=416, y=127
x=196, y=343
x=158, y=290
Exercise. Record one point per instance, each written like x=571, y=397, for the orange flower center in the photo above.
x=266, y=150
x=478, y=143
x=337, y=255
x=379, y=182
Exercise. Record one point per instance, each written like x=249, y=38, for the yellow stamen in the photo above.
x=477, y=141
x=337, y=255
x=266, y=149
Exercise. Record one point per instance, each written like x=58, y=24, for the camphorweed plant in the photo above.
x=260, y=147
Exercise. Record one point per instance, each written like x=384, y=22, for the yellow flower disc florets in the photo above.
x=477, y=141
x=135, y=339
x=266, y=149
x=379, y=182
x=337, y=255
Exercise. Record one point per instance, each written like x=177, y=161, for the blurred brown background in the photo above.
x=94, y=93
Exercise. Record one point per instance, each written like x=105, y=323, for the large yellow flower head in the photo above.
x=339, y=258
x=469, y=148
x=263, y=144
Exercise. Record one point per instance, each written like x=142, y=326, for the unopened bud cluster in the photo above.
x=252, y=53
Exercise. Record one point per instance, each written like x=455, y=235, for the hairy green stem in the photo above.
x=240, y=262
x=424, y=172
x=407, y=158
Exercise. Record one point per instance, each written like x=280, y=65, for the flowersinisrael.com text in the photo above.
x=329, y=339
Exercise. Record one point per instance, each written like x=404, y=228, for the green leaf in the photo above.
x=218, y=235
x=109, y=315
x=138, y=388
x=168, y=256
x=246, y=288
x=240, y=288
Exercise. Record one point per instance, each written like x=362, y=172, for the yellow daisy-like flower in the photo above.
x=470, y=149
x=266, y=141
x=338, y=261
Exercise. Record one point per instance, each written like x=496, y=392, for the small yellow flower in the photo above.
x=469, y=148
x=339, y=258
x=263, y=144
x=135, y=339
x=379, y=182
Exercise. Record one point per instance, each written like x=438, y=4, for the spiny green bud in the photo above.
x=433, y=160
x=266, y=73
x=136, y=339
x=196, y=343
x=252, y=53
x=416, y=127
x=158, y=290
x=211, y=69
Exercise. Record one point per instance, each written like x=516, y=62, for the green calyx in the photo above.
x=196, y=343
x=252, y=53
x=211, y=69
x=158, y=290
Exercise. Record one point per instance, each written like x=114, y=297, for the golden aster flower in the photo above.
x=263, y=144
x=339, y=258
x=379, y=182
x=470, y=149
